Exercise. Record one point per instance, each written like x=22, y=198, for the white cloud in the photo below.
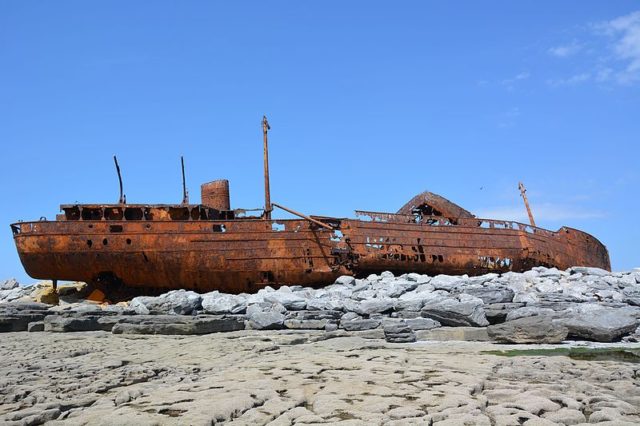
x=511, y=82
x=566, y=50
x=571, y=81
x=616, y=60
x=625, y=31
x=545, y=212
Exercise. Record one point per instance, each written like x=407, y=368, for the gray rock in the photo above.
x=13, y=294
x=216, y=303
x=291, y=301
x=462, y=310
x=529, y=311
x=326, y=303
x=447, y=282
x=445, y=334
x=589, y=271
x=9, y=284
x=497, y=312
x=177, y=324
x=345, y=280
x=330, y=327
x=415, y=300
x=314, y=315
x=422, y=323
x=603, y=325
x=489, y=294
x=397, y=331
x=534, y=329
x=311, y=324
x=60, y=324
x=360, y=324
x=373, y=306
x=126, y=395
x=35, y=326
x=349, y=316
x=175, y=302
x=266, y=320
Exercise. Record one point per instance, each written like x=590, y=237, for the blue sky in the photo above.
x=370, y=103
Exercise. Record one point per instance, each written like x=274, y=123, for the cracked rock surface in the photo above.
x=301, y=377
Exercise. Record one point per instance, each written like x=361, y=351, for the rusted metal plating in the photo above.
x=202, y=248
x=208, y=246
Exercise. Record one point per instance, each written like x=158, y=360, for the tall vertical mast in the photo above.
x=185, y=193
x=267, y=191
x=523, y=192
x=123, y=198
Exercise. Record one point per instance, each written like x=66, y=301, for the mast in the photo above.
x=123, y=198
x=523, y=193
x=185, y=193
x=267, y=191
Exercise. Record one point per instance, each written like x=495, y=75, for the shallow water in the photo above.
x=582, y=354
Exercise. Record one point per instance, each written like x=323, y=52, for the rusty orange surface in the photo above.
x=202, y=248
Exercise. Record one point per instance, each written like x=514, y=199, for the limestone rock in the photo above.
x=266, y=320
x=602, y=325
x=216, y=303
x=177, y=324
x=534, y=329
x=462, y=310
x=398, y=331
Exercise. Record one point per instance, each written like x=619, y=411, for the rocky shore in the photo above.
x=410, y=349
x=538, y=306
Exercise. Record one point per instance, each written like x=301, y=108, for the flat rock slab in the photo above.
x=283, y=377
x=604, y=325
x=445, y=334
x=177, y=324
x=534, y=329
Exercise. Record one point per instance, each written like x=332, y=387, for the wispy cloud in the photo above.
x=546, y=212
x=570, y=81
x=610, y=52
x=625, y=33
x=565, y=50
x=510, y=83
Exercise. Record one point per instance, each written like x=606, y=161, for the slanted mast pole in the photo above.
x=523, y=193
x=267, y=192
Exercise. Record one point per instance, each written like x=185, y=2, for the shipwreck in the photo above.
x=210, y=246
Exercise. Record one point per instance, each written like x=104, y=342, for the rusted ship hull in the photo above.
x=245, y=255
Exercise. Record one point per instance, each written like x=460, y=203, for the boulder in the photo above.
x=534, y=329
x=461, y=310
x=216, y=303
x=175, y=302
x=345, y=280
x=269, y=320
x=9, y=284
x=177, y=324
x=416, y=299
x=422, y=323
x=360, y=324
x=489, y=294
x=374, y=306
x=61, y=324
x=325, y=303
x=291, y=301
x=498, y=312
x=585, y=270
x=35, y=326
x=398, y=331
x=528, y=311
x=601, y=325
